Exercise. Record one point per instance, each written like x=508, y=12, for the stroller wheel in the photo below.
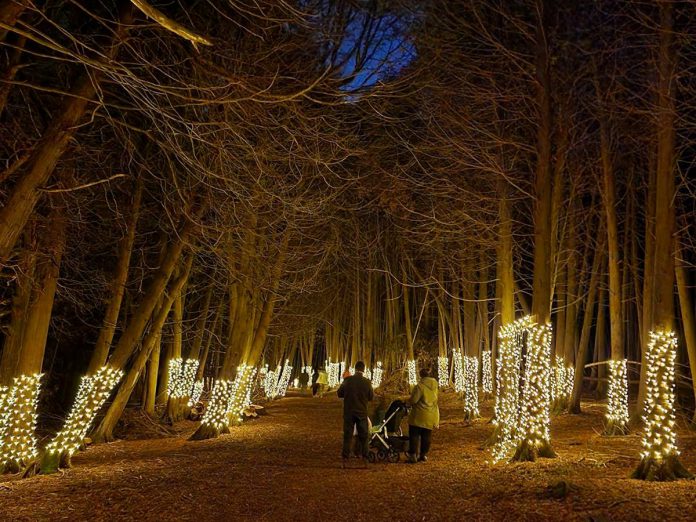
x=393, y=457
x=372, y=457
x=382, y=455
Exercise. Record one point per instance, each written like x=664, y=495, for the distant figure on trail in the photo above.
x=320, y=384
x=356, y=392
x=423, y=418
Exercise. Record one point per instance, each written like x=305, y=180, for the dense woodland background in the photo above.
x=245, y=182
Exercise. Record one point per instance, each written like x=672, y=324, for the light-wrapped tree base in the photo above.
x=93, y=392
x=471, y=404
x=241, y=389
x=660, y=456
x=377, y=375
x=18, y=424
x=412, y=374
x=443, y=371
x=486, y=373
x=214, y=421
x=617, y=418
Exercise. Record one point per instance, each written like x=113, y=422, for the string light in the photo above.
x=241, y=387
x=216, y=412
x=284, y=380
x=412, y=379
x=93, y=392
x=341, y=371
x=617, y=398
x=536, y=393
x=17, y=438
x=174, y=367
x=187, y=375
x=458, y=371
x=377, y=375
x=196, y=393
x=367, y=373
x=471, y=409
x=442, y=371
x=310, y=374
x=351, y=370
x=511, y=339
x=659, y=437
x=569, y=381
x=487, y=377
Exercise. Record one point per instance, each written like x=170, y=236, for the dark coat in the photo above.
x=356, y=392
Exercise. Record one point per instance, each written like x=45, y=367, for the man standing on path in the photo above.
x=356, y=392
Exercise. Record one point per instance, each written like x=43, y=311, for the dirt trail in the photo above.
x=285, y=466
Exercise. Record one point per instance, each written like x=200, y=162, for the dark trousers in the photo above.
x=419, y=436
x=349, y=421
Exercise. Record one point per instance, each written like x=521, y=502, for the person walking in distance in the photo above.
x=356, y=392
x=423, y=418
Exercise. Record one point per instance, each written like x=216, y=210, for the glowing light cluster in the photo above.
x=185, y=381
x=196, y=393
x=93, y=392
x=240, y=388
x=341, y=371
x=4, y=396
x=486, y=375
x=174, y=367
x=216, y=412
x=617, y=397
x=507, y=402
x=442, y=371
x=412, y=377
x=333, y=371
x=536, y=393
x=367, y=373
x=284, y=380
x=471, y=409
x=659, y=437
x=310, y=374
x=17, y=426
x=351, y=370
x=458, y=371
x=377, y=375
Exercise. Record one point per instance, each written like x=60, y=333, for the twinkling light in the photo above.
x=174, y=367
x=196, y=393
x=659, y=437
x=617, y=398
x=536, y=393
x=284, y=380
x=458, y=370
x=412, y=378
x=240, y=388
x=93, y=392
x=351, y=370
x=4, y=398
x=471, y=409
x=511, y=339
x=486, y=376
x=187, y=375
x=557, y=380
x=569, y=381
x=333, y=374
x=367, y=373
x=310, y=374
x=17, y=438
x=377, y=375
x=341, y=371
x=443, y=371
x=216, y=412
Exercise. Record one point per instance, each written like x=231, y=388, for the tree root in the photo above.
x=529, y=453
x=615, y=429
x=208, y=431
x=666, y=470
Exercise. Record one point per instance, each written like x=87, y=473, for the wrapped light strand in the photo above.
x=412, y=376
x=617, y=398
x=506, y=418
x=310, y=374
x=471, y=409
x=174, y=367
x=457, y=358
x=377, y=375
x=196, y=393
x=93, y=392
x=187, y=376
x=486, y=375
x=443, y=371
x=240, y=388
x=536, y=396
x=216, y=413
x=17, y=438
x=341, y=371
x=284, y=380
x=367, y=373
x=659, y=458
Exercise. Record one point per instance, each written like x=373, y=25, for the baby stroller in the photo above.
x=387, y=440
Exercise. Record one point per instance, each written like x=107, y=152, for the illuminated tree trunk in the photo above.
x=659, y=462
x=541, y=281
x=47, y=153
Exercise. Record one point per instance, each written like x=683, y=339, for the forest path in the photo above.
x=286, y=466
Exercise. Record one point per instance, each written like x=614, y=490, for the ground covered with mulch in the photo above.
x=285, y=466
